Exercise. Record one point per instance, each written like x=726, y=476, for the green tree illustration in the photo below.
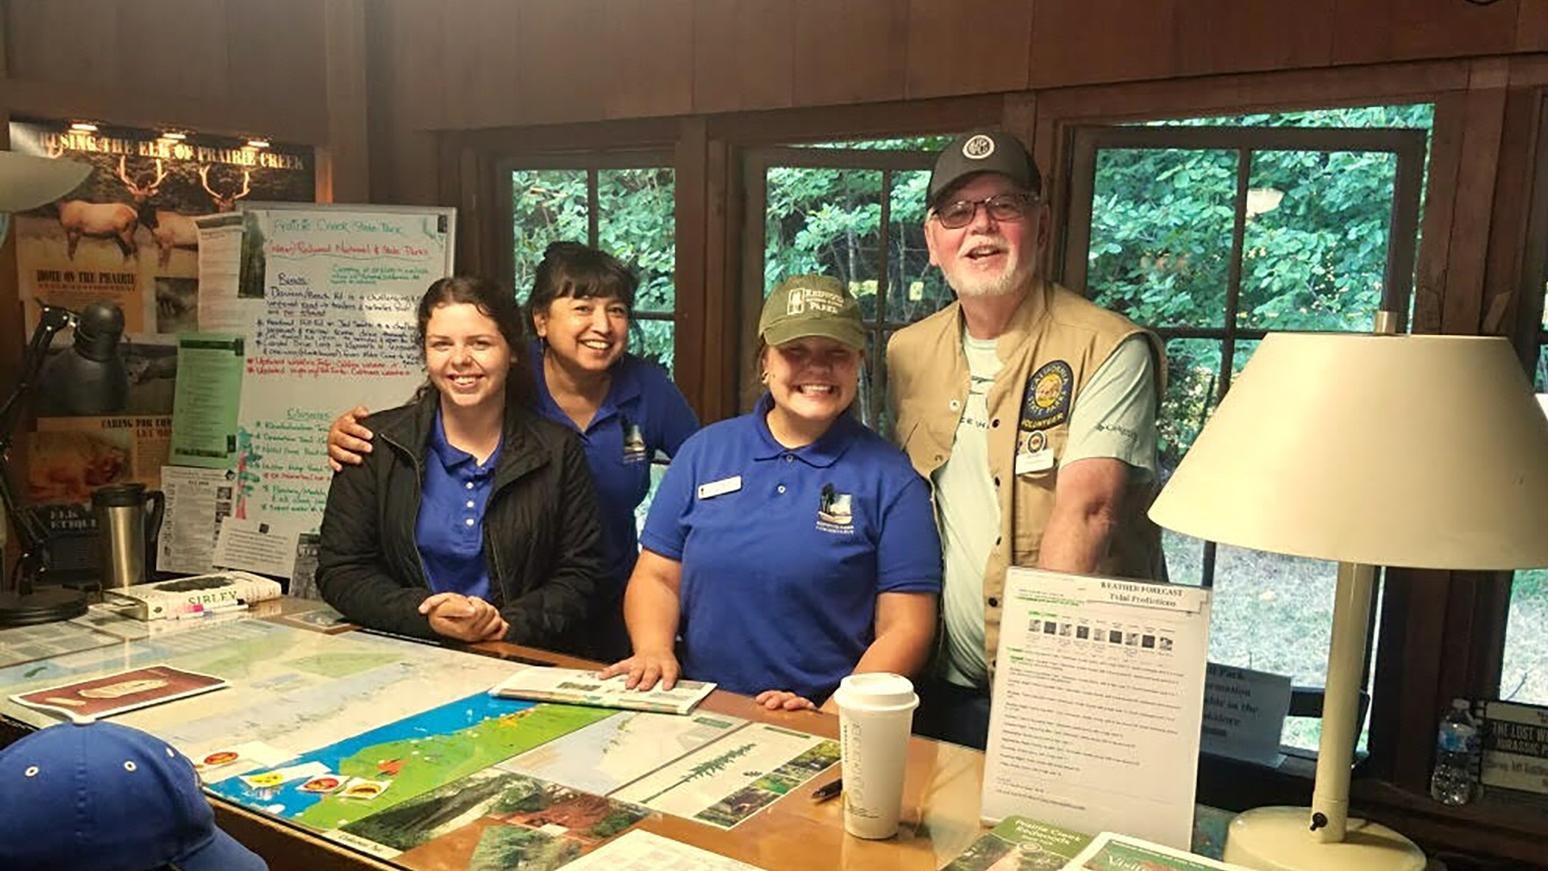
x=707, y=767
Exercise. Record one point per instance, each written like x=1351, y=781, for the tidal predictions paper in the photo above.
x=1098, y=700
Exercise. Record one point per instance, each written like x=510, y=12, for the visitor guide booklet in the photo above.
x=574, y=686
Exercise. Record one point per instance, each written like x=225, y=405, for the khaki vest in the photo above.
x=1054, y=343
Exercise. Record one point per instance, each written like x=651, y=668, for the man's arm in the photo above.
x=1087, y=499
x=1112, y=437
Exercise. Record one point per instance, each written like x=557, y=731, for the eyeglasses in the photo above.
x=1001, y=207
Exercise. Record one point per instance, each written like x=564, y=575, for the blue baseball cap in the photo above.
x=104, y=797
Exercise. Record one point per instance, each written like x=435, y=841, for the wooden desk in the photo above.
x=941, y=800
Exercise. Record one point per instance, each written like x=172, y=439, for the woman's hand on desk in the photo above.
x=644, y=669
x=780, y=700
x=464, y=618
x=348, y=441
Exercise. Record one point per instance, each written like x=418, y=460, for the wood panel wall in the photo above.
x=293, y=71
x=500, y=63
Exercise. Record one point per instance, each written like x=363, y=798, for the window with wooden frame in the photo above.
x=1524, y=660
x=852, y=210
x=1213, y=233
x=621, y=203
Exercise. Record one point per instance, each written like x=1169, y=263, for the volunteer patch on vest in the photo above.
x=1046, y=403
x=835, y=511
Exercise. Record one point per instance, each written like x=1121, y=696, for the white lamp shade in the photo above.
x=1398, y=450
x=28, y=181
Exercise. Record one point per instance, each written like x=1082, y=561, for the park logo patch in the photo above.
x=835, y=511
x=978, y=147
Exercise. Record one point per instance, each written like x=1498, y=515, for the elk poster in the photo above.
x=126, y=234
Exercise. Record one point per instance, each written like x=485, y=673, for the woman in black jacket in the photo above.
x=479, y=523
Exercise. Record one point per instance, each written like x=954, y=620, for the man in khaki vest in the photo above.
x=1030, y=410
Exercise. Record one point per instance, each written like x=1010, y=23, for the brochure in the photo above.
x=574, y=686
x=1022, y=845
x=110, y=695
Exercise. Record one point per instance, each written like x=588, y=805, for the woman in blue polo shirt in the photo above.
x=790, y=546
x=624, y=408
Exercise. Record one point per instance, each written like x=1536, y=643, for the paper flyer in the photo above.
x=1097, y=704
x=204, y=411
x=197, y=501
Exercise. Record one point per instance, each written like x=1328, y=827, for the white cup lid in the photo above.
x=876, y=690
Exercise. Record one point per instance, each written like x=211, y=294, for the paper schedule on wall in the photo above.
x=325, y=297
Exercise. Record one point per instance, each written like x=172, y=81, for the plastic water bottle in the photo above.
x=1456, y=756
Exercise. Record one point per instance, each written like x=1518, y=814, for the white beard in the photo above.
x=979, y=285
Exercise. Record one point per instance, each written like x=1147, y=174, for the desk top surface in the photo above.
x=301, y=687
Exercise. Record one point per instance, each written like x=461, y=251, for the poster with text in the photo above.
x=325, y=298
x=126, y=234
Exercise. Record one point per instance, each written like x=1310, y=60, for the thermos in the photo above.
x=128, y=522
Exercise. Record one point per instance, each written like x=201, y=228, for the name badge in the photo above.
x=1035, y=461
x=721, y=487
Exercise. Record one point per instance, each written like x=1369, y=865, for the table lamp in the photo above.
x=1372, y=450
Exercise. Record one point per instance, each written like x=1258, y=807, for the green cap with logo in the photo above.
x=803, y=306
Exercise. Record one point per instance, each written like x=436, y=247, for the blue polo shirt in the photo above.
x=643, y=413
x=784, y=551
x=450, y=528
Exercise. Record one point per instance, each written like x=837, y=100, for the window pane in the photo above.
x=1314, y=252
x=654, y=340
x=914, y=287
x=547, y=206
x=1240, y=356
x=824, y=221
x=1184, y=558
x=1192, y=383
x=1161, y=221
x=1540, y=375
x=637, y=214
x=1524, y=677
x=1274, y=613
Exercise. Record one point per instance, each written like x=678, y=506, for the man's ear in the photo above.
x=929, y=234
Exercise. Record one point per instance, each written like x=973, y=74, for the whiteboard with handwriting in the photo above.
x=330, y=325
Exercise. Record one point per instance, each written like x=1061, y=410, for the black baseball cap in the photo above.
x=983, y=151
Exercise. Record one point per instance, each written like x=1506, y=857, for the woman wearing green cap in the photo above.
x=791, y=546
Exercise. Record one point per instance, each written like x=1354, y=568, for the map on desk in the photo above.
x=397, y=749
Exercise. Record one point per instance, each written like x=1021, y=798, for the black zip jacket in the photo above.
x=542, y=539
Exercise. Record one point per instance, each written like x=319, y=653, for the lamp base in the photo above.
x=42, y=606
x=1279, y=839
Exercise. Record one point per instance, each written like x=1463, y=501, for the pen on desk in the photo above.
x=827, y=791
x=208, y=610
